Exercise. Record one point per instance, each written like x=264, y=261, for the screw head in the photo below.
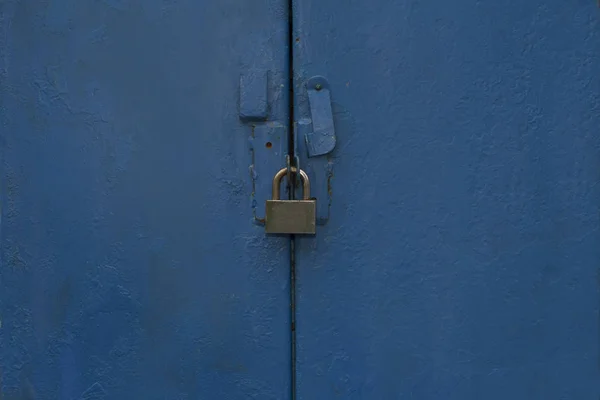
x=318, y=86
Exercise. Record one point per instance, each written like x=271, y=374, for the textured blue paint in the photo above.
x=319, y=169
x=130, y=266
x=461, y=256
x=254, y=102
x=269, y=147
x=321, y=140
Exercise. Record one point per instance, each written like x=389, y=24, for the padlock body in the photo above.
x=297, y=217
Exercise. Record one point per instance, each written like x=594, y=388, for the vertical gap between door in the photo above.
x=292, y=185
x=293, y=316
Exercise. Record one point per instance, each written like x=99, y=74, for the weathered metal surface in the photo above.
x=460, y=260
x=319, y=170
x=254, y=98
x=321, y=140
x=315, y=141
x=130, y=268
x=268, y=148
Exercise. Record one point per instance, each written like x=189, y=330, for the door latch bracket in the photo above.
x=315, y=140
x=321, y=140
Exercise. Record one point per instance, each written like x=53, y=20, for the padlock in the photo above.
x=291, y=216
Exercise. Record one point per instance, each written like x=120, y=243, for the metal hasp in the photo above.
x=259, y=91
x=315, y=139
x=298, y=217
x=321, y=140
x=254, y=96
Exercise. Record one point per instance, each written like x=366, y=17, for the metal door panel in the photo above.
x=131, y=266
x=460, y=259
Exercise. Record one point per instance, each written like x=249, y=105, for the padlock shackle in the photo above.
x=283, y=172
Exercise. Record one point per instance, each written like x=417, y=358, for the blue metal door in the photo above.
x=131, y=265
x=460, y=258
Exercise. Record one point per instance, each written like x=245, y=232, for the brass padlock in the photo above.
x=291, y=216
